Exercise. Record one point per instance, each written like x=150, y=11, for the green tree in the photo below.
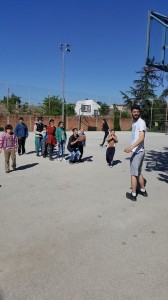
x=69, y=109
x=116, y=118
x=24, y=108
x=125, y=114
x=158, y=112
x=104, y=109
x=52, y=106
x=12, y=103
x=143, y=92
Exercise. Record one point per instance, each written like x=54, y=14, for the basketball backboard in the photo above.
x=157, y=41
x=85, y=108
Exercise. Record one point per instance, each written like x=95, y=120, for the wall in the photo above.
x=88, y=123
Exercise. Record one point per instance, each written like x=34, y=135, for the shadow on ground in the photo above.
x=1, y=295
x=158, y=161
x=27, y=166
x=87, y=158
x=30, y=152
x=116, y=162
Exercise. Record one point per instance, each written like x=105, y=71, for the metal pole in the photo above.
x=63, y=81
x=7, y=104
x=148, y=38
x=79, y=121
x=64, y=48
x=166, y=123
x=29, y=96
x=151, y=116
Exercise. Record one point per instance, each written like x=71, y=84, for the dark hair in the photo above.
x=60, y=122
x=21, y=118
x=74, y=129
x=135, y=106
x=39, y=119
x=45, y=126
x=8, y=127
x=52, y=120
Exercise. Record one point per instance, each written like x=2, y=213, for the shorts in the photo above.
x=136, y=162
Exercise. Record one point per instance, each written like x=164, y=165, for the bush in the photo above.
x=117, y=122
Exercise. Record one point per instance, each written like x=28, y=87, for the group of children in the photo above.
x=46, y=138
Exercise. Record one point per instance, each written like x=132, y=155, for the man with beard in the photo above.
x=73, y=147
x=138, y=153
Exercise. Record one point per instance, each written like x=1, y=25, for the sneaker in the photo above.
x=131, y=197
x=110, y=166
x=101, y=145
x=143, y=193
x=52, y=159
x=57, y=159
x=71, y=162
x=7, y=171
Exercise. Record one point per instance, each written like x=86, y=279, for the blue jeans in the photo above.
x=61, y=149
x=75, y=155
x=38, y=145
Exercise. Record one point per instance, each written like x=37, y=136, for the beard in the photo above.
x=135, y=118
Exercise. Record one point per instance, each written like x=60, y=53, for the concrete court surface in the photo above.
x=67, y=232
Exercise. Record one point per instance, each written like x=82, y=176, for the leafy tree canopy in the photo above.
x=69, y=109
x=52, y=106
x=142, y=93
x=12, y=102
x=104, y=108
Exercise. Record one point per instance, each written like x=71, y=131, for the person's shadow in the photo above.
x=158, y=161
x=87, y=158
x=1, y=295
x=27, y=166
x=30, y=152
x=116, y=162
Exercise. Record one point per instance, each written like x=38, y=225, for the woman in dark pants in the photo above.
x=105, y=128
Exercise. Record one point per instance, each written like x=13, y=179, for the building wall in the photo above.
x=88, y=123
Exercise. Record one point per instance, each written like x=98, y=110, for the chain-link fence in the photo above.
x=36, y=95
x=158, y=119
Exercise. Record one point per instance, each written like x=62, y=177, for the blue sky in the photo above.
x=108, y=45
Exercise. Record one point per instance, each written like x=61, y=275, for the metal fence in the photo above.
x=35, y=95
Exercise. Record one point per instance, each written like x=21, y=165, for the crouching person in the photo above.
x=73, y=147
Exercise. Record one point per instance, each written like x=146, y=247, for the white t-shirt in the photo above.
x=138, y=126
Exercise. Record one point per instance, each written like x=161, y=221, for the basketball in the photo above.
x=81, y=139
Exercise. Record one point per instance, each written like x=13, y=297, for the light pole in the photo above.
x=64, y=48
x=79, y=118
